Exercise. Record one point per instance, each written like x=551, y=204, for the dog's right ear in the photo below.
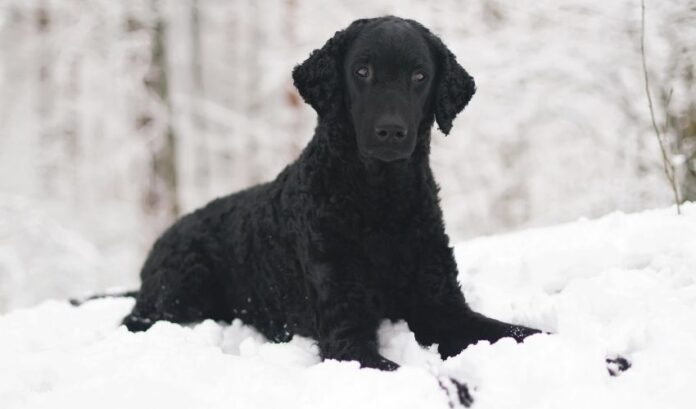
x=318, y=78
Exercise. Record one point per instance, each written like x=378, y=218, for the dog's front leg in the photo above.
x=438, y=312
x=347, y=315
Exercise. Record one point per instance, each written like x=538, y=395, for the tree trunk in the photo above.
x=45, y=96
x=202, y=171
x=161, y=196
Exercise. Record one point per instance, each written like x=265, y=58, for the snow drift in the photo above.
x=623, y=285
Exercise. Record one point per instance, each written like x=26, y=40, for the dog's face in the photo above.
x=390, y=77
x=388, y=73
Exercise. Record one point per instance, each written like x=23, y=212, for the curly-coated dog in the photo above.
x=349, y=234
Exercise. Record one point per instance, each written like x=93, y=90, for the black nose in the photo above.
x=390, y=131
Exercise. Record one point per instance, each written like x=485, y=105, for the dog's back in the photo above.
x=230, y=259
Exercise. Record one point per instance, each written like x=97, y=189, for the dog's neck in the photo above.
x=375, y=187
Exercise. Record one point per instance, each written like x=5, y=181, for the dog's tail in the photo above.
x=79, y=301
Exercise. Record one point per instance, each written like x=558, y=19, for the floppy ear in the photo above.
x=453, y=92
x=318, y=78
x=454, y=87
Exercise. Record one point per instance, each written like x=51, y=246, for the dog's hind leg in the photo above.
x=183, y=293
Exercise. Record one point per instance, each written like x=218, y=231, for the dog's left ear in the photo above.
x=318, y=78
x=454, y=87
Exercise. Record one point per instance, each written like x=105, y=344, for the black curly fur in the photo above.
x=335, y=243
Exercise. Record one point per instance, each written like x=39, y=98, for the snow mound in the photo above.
x=39, y=258
x=621, y=287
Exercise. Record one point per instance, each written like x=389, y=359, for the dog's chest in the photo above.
x=392, y=259
x=390, y=243
x=387, y=249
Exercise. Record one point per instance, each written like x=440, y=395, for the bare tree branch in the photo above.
x=667, y=164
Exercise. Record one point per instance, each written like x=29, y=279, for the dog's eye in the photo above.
x=363, y=72
x=418, y=76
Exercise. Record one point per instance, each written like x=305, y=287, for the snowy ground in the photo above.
x=622, y=285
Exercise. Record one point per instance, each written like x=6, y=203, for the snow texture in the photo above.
x=41, y=258
x=621, y=286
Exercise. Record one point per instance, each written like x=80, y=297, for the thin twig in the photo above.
x=667, y=164
x=667, y=101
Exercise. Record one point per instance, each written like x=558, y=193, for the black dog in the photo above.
x=349, y=234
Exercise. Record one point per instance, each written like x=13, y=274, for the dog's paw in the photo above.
x=137, y=324
x=379, y=362
x=519, y=333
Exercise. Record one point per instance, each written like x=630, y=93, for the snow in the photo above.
x=42, y=258
x=620, y=286
x=67, y=263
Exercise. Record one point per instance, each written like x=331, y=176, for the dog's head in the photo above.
x=393, y=77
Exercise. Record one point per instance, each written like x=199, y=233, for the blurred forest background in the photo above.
x=118, y=116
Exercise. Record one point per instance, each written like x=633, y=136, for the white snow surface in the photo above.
x=621, y=285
